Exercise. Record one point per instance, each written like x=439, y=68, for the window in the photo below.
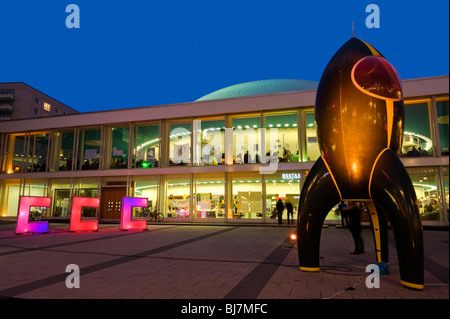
x=442, y=117
x=35, y=111
x=416, y=135
x=38, y=150
x=209, y=198
x=247, y=197
x=426, y=184
x=445, y=174
x=176, y=197
x=15, y=153
x=283, y=185
x=117, y=147
x=60, y=190
x=11, y=204
x=146, y=143
x=147, y=187
x=180, y=144
x=62, y=158
x=88, y=155
x=47, y=107
x=36, y=100
x=312, y=146
x=246, y=139
x=281, y=139
x=209, y=141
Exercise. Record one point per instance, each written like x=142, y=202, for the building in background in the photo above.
x=227, y=157
x=20, y=101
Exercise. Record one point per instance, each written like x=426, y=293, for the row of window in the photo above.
x=253, y=138
x=205, y=196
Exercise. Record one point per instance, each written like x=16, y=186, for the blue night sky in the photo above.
x=138, y=53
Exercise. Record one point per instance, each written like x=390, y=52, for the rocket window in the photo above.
x=376, y=76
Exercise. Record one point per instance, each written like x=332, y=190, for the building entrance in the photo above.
x=111, y=202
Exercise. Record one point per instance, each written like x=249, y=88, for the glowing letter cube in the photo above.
x=23, y=225
x=126, y=221
x=76, y=224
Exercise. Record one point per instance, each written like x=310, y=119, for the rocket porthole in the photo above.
x=375, y=76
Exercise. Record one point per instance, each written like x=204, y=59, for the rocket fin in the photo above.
x=392, y=192
x=318, y=196
x=380, y=232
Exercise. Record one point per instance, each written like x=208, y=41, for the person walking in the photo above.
x=280, y=208
x=290, y=212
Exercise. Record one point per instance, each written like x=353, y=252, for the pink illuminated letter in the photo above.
x=23, y=225
x=76, y=224
x=128, y=223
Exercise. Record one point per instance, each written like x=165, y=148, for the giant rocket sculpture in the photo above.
x=359, y=115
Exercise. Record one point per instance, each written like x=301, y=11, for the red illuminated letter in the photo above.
x=76, y=223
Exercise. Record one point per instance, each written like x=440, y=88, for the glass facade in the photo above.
x=146, y=145
x=63, y=151
x=61, y=193
x=442, y=121
x=285, y=186
x=282, y=138
x=176, y=197
x=180, y=144
x=247, y=197
x=426, y=183
x=417, y=135
x=117, y=148
x=190, y=169
x=209, y=197
x=209, y=142
x=312, y=151
x=88, y=152
x=246, y=139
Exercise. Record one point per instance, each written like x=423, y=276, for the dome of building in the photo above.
x=261, y=87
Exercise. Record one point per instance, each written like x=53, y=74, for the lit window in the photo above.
x=47, y=106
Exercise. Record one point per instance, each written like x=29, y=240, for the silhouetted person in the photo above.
x=344, y=217
x=354, y=217
x=247, y=158
x=280, y=208
x=290, y=212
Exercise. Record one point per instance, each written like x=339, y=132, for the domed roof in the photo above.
x=261, y=87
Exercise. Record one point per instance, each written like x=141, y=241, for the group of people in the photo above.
x=350, y=217
x=290, y=211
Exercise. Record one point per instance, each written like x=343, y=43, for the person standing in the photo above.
x=280, y=208
x=344, y=217
x=354, y=218
x=290, y=212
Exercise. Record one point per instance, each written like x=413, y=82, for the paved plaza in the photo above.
x=204, y=262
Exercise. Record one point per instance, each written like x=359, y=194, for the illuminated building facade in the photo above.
x=227, y=157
